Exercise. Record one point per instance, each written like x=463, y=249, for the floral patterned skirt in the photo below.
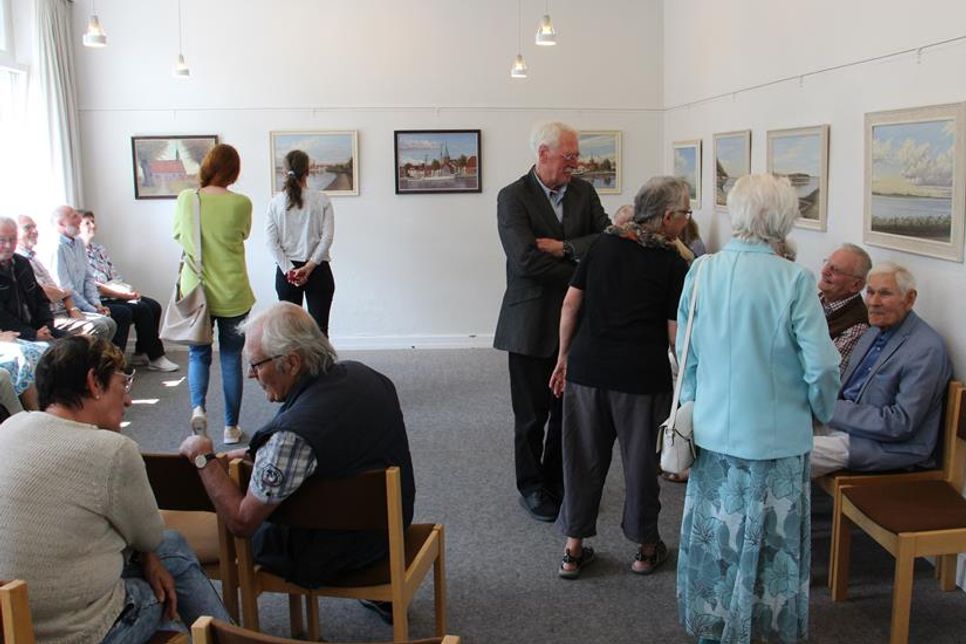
x=19, y=358
x=745, y=554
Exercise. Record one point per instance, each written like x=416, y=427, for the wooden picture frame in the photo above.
x=333, y=159
x=801, y=154
x=732, y=160
x=164, y=165
x=686, y=164
x=600, y=160
x=438, y=161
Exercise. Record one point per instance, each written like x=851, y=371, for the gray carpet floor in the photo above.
x=501, y=565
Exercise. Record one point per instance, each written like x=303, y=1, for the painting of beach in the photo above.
x=333, y=160
x=732, y=160
x=914, y=180
x=600, y=160
x=801, y=155
x=438, y=161
x=686, y=164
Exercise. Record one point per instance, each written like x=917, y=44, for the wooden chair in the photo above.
x=18, y=627
x=185, y=507
x=834, y=483
x=910, y=519
x=369, y=501
x=207, y=630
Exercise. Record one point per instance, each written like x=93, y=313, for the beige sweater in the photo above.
x=72, y=498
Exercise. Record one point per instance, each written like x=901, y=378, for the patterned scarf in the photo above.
x=640, y=235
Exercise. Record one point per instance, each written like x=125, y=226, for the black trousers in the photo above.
x=537, y=452
x=146, y=316
x=318, y=291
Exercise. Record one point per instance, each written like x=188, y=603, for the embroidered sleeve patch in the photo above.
x=272, y=478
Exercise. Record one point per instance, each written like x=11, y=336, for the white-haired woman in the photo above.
x=761, y=366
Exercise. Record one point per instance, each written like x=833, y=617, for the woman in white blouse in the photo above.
x=300, y=229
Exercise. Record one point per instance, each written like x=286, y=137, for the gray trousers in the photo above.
x=592, y=419
x=91, y=324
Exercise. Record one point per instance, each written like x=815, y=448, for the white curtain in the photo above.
x=58, y=97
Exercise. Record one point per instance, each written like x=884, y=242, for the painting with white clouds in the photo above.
x=686, y=164
x=429, y=161
x=732, y=160
x=801, y=154
x=333, y=160
x=914, y=180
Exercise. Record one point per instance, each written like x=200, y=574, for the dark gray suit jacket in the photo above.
x=536, y=282
x=896, y=421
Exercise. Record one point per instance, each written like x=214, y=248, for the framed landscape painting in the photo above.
x=801, y=154
x=441, y=161
x=600, y=160
x=166, y=165
x=686, y=164
x=333, y=160
x=732, y=160
x=915, y=180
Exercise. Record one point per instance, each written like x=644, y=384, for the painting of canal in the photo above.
x=438, y=161
x=801, y=155
x=687, y=165
x=333, y=160
x=914, y=180
x=600, y=160
x=732, y=160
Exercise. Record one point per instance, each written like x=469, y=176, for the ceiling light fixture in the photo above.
x=519, y=68
x=94, y=36
x=546, y=34
x=180, y=67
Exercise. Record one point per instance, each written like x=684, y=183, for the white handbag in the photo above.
x=674, y=438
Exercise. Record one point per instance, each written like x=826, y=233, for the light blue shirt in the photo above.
x=70, y=267
x=554, y=196
x=761, y=360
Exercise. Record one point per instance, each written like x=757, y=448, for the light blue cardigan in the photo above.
x=761, y=360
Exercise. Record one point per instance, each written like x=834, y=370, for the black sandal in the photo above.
x=650, y=562
x=586, y=556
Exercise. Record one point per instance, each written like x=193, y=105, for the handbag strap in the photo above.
x=675, y=399
x=195, y=266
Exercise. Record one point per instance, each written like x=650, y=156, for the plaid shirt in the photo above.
x=281, y=465
x=100, y=264
x=846, y=340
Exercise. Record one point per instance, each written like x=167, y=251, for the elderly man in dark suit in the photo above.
x=547, y=220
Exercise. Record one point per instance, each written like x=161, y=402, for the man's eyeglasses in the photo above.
x=838, y=272
x=128, y=380
x=571, y=158
x=253, y=366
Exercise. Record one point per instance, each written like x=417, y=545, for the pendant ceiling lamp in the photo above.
x=180, y=67
x=546, y=34
x=94, y=36
x=519, y=68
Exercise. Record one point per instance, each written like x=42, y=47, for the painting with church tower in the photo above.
x=438, y=161
x=166, y=165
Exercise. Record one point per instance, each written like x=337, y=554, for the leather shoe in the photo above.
x=540, y=506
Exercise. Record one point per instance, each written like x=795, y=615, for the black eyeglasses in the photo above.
x=253, y=366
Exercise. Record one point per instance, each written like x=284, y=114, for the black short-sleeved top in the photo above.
x=630, y=293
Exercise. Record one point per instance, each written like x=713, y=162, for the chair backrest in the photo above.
x=207, y=630
x=954, y=464
x=176, y=483
x=361, y=502
x=17, y=625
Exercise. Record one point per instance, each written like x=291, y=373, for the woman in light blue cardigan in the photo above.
x=761, y=366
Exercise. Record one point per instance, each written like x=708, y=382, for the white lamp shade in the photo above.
x=519, y=69
x=181, y=68
x=95, y=36
x=546, y=34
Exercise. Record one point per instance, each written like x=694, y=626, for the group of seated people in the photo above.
x=89, y=540
x=82, y=293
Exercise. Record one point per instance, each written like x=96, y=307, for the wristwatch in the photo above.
x=569, y=251
x=203, y=459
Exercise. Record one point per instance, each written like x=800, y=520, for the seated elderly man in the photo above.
x=80, y=523
x=337, y=419
x=67, y=318
x=889, y=412
x=125, y=302
x=73, y=275
x=24, y=308
x=840, y=291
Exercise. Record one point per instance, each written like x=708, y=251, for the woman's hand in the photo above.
x=9, y=336
x=558, y=378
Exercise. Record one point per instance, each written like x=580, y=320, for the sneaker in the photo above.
x=138, y=360
x=199, y=421
x=162, y=364
x=233, y=434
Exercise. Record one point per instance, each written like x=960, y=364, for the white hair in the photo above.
x=7, y=221
x=624, y=214
x=285, y=328
x=762, y=208
x=549, y=134
x=865, y=262
x=905, y=281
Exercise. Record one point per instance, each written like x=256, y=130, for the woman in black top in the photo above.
x=614, y=374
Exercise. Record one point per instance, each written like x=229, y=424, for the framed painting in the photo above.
x=732, y=160
x=600, y=160
x=801, y=154
x=429, y=161
x=915, y=180
x=166, y=165
x=333, y=159
x=686, y=164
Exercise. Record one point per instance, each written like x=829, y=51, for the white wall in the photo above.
x=412, y=269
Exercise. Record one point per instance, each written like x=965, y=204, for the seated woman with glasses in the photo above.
x=80, y=523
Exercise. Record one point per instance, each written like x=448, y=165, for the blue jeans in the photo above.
x=142, y=615
x=230, y=344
